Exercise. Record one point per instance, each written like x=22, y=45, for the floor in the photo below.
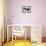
x=18, y=43
x=23, y=43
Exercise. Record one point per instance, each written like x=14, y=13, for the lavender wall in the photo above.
x=37, y=15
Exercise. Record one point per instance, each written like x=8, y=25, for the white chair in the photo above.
x=17, y=31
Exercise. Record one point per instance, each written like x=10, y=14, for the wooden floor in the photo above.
x=18, y=43
x=23, y=43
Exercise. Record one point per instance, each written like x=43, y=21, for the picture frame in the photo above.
x=26, y=9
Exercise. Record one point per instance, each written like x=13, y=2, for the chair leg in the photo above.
x=2, y=44
x=25, y=36
x=15, y=38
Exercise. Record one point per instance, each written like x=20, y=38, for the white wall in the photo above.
x=37, y=15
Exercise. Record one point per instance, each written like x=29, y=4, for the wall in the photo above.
x=37, y=15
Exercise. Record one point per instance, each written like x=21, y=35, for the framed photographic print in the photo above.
x=26, y=9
